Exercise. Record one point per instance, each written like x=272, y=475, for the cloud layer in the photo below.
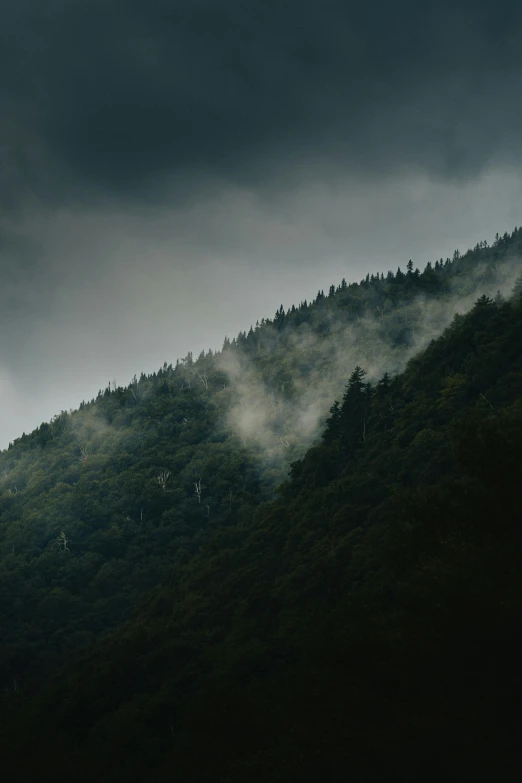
x=135, y=98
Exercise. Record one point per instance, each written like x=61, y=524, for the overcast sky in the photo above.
x=173, y=170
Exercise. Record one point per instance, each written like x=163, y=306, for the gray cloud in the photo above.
x=172, y=171
x=139, y=97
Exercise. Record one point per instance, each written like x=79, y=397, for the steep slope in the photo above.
x=98, y=505
x=364, y=621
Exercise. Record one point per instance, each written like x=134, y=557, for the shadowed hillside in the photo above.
x=168, y=614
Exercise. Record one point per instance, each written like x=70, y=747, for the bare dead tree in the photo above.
x=63, y=542
x=84, y=453
x=163, y=478
x=198, y=489
x=486, y=400
x=203, y=377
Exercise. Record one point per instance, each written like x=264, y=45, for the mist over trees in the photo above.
x=296, y=558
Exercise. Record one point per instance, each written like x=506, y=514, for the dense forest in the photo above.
x=293, y=559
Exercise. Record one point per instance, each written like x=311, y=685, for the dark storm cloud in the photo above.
x=125, y=97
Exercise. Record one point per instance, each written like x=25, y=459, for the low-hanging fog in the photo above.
x=273, y=421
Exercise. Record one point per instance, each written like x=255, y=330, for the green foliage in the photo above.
x=166, y=614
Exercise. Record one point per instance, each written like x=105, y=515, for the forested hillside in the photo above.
x=175, y=605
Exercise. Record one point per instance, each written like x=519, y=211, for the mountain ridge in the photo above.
x=162, y=591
